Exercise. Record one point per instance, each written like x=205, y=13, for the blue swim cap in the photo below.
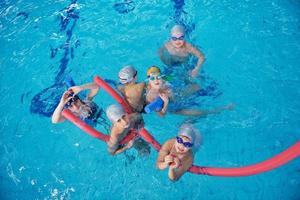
x=189, y=131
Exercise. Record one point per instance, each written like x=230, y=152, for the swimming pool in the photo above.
x=252, y=52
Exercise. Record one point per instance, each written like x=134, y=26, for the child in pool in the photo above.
x=157, y=87
x=132, y=91
x=177, y=51
x=122, y=123
x=178, y=153
x=85, y=109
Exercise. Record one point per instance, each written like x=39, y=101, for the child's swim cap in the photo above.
x=153, y=70
x=177, y=30
x=193, y=134
x=127, y=74
x=114, y=113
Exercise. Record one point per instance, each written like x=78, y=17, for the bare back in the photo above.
x=134, y=95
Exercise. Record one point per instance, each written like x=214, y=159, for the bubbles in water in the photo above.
x=33, y=182
x=54, y=192
x=11, y=174
x=21, y=169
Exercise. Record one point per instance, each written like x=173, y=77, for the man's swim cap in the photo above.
x=192, y=133
x=153, y=70
x=114, y=113
x=127, y=74
x=177, y=30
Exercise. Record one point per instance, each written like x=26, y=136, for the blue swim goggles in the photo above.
x=177, y=38
x=185, y=144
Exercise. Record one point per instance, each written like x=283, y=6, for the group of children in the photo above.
x=156, y=94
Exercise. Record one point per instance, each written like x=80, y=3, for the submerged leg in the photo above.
x=189, y=90
x=142, y=147
x=203, y=113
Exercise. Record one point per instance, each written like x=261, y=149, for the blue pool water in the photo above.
x=252, y=51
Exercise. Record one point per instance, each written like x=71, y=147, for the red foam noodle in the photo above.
x=84, y=126
x=282, y=158
x=272, y=163
x=267, y=165
x=113, y=93
x=133, y=133
x=150, y=139
x=93, y=132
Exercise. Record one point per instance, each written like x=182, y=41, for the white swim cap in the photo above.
x=177, y=30
x=114, y=113
x=127, y=74
x=192, y=133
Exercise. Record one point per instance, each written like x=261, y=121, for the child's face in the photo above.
x=182, y=144
x=75, y=106
x=177, y=40
x=123, y=122
x=155, y=80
